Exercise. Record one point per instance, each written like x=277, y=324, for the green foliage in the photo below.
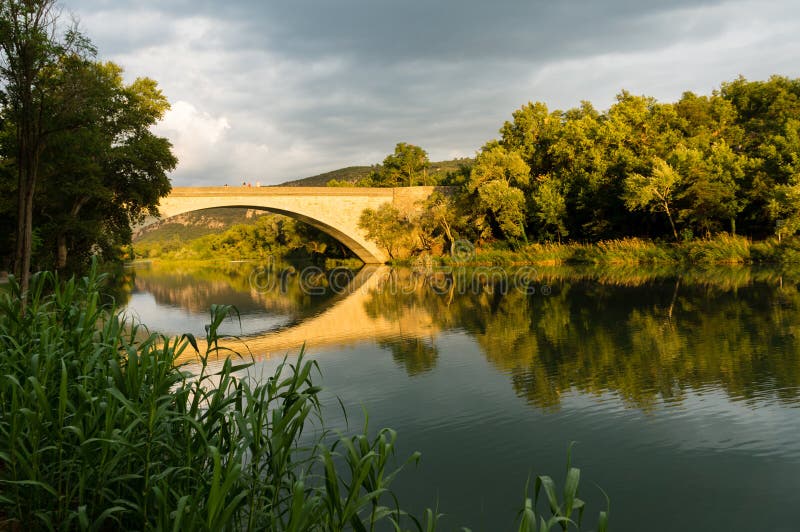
x=784, y=207
x=33, y=100
x=344, y=176
x=441, y=216
x=78, y=139
x=550, y=207
x=506, y=206
x=108, y=173
x=721, y=249
x=387, y=227
x=644, y=169
x=496, y=163
x=407, y=166
x=499, y=205
x=655, y=191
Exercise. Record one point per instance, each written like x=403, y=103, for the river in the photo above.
x=681, y=389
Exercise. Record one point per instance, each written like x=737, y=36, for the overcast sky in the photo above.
x=271, y=90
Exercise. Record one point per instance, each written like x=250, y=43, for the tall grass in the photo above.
x=101, y=429
x=720, y=249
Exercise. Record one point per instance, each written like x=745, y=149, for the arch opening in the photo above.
x=353, y=244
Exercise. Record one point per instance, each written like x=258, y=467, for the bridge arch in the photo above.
x=334, y=211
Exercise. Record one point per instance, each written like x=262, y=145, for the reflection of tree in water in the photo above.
x=645, y=340
x=416, y=355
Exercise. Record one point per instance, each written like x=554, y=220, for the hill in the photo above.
x=193, y=225
x=354, y=173
x=351, y=173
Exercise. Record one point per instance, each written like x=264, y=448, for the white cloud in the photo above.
x=197, y=137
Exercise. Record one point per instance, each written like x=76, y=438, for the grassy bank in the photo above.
x=102, y=429
x=724, y=249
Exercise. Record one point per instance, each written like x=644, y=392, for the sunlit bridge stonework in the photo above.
x=332, y=210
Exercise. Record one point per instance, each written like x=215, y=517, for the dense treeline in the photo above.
x=728, y=162
x=78, y=162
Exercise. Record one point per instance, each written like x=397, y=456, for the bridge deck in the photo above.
x=282, y=191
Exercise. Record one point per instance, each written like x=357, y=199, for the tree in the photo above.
x=549, y=206
x=441, y=213
x=507, y=207
x=767, y=114
x=531, y=133
x=405, y=167
x=30, y=52
x=655, y=191
x=784, y=208
x=711, y=194
x=409, y=162
x=100, y=178
x=494, y=179
x=386, y=226
x=496, y=163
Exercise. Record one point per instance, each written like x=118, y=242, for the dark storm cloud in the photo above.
x=287, y=88
x=391, y=31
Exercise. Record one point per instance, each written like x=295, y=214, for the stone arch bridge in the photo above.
x=333, y=210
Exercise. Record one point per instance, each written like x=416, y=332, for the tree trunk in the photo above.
x=671, y=223
x=61, y=240
x=28, y=156
x=22, y=256
x=61, y=244
x=449, y=234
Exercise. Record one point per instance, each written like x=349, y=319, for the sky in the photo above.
x=272, y=90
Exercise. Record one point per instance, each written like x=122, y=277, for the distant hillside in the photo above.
x=354, y=173
x=351, y=173
x=193, y=225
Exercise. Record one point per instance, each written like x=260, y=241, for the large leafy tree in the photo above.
x=31, y=49
x=408, y=165
x=101, y=177
x=387, y=227
x=655, y=190
x=442, y=216
x=496, y=181
x=768, y=115
x=710, y=200
x=550, y=207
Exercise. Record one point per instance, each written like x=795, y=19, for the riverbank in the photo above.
x=327, y=263
x=724, y=249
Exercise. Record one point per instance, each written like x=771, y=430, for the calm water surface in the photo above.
x=682, y=389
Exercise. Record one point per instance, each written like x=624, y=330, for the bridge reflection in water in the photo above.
x=346, y=321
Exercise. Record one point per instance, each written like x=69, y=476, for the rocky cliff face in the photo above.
x=195, y=224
